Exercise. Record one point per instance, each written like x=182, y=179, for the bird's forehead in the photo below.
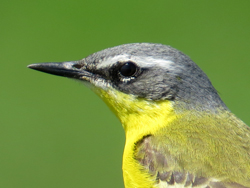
x=141, y=61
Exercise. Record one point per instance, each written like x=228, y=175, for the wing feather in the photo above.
x=161, y=166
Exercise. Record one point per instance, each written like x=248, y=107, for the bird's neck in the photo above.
x=139, y=118
x=144, y=118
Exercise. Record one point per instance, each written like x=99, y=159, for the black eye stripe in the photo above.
x=128, y=69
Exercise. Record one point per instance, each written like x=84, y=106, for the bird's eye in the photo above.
x=128, y=69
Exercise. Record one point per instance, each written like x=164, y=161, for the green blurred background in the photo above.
x=54, y=132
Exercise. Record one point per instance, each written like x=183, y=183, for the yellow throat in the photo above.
x=139, y=118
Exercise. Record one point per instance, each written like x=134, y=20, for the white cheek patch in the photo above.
x=101, y=83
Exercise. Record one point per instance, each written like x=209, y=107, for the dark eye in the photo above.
x=128, y=69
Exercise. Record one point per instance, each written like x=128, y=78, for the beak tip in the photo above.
x=32, y=66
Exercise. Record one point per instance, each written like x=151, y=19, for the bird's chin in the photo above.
x=97, y=85
x=100, y=84
x=84, y=82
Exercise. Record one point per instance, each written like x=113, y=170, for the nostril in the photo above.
x=78, y=66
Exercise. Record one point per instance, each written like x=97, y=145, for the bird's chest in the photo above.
x=134, y=174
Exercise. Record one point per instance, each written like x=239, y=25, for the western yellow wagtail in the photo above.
x=179, y=133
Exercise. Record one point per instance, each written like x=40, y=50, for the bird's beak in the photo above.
x=73, y=69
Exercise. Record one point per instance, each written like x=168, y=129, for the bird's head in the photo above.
x=142, y=78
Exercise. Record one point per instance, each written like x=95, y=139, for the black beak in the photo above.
x=74, y=69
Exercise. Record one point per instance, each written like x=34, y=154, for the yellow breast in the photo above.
x=139, y=118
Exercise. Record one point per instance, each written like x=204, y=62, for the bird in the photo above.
x=179, y=132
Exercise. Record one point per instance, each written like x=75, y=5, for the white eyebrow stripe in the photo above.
x=151, y=62
x=145, y=62
x=107, y=62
